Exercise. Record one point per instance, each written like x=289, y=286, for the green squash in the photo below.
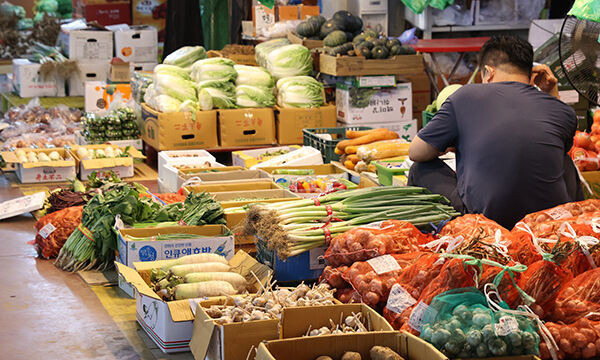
x=395, y=50
x=379, y=42
x=380, y=52
x=307, y=29
x=362, y=50
x=342, y=49
x=349, y=36
x=318, y=20
x=359, y=39
x=407, y=50
x=393, y=42
x=330, y=26
x=345, y=18
x=335, y=38
x=368, y=44
x=370, y=33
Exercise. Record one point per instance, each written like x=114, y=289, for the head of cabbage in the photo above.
x=300, y=92
x=253, y=75
x=248, y=96
x=214, y=69
x=221, y=93
x=289, y=60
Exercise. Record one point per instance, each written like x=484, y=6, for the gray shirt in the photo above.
x=510, y=141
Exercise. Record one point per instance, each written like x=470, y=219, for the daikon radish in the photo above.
x=382, y=150
x=203, y=289
x=235, y=279
x=181, y=270
x=195, y=259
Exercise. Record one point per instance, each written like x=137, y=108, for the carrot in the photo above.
x=349, y=165
x=353, y=158
x=203, y=289
x=338, y=151
x=369, y=138
x=352, y=134
x=351, y=149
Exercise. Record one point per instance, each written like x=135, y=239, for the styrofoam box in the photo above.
x=137, y=44
x=28, y=82
x=174, y=156
x=79, y=42
x=89, y=70
x=406, y=129
x=169, y=174
x=306, y=155
x=141, y=66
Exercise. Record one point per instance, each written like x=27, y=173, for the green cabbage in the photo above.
x=221, y=99
x=174, y=86
x=262, y=50
x=253, y=75
x=214, y=69
x=188, y=106
x=224, y=85
x=300, y=92
x=172, y=70
x=205, y=101
x=248, y=96
x=166, y=104
x=289, y=60
x=185, y=56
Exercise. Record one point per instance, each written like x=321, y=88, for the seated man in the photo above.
x=510, y=140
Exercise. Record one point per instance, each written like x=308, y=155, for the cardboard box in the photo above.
x=228, y=341
x=153, y=13
x=29, y=82
x=120, y=72
x=295, y=322
x=307, y=11
x=249, y=158
x=211, y=177
x=99, y=95
x=233, y=185
x=170, y=162
x=216, y=239
x=170, y=324
x=243, y=127
x=305, y=155
x=309, y=43
x=89, y=70
x=80, y=42
x=230, y=199
x=358, y=65
x=141, y=66
x=291, y=121
x=104, y=12
x=136, y=44
x=42, y=171
x=408, y=346
x=135, y=143
x=307, y=266
x=406, y=129
x=122, y=166
x=178, y=131
x=287, y=12
x=389, y=104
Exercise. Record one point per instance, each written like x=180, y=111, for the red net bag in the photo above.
x=363, y=243
x=578, y=298
x=580, y=340
x=471, y=225
x=168, y=198
x=347, y=295
x=54, y=229
x=562, y=212
x=334, y=277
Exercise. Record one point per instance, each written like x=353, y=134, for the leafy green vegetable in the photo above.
x=214, y=69
x=289, y=60
x=360, y=97
x=174, y=86
x=248, y=96
x=253, y=75
x=185, y=56
x=300, y=92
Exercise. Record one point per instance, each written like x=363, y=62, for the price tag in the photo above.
x=316, y=260
x=384, y=264
x=558, y=213
x=506, y=325
x=399, y=299
x=46, y=230
x=416, y=316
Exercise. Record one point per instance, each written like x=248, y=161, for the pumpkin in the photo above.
x=349, y=36
x=407, y=50
x=307, y=29
x=379, y=52
x=368, y=44
x=392, y=42
x=318, y=20
x=362, y=50
x=395, y=50
x=335, y=38
x=370, y=33
x=344, y=17
x=359, y=39
x=330, y=26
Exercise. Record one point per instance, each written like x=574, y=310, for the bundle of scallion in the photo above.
x=292, y=227
x=52, y=61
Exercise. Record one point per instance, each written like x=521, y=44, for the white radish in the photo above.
x=182, y=270
x=195, y=259
x=203, y=289
x=235, y=279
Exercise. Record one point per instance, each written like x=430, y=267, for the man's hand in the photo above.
x=542, y=77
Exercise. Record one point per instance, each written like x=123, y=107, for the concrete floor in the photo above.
x=46, y=313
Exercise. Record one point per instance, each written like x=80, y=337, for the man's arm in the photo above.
x=542, y=77
x=420, y=151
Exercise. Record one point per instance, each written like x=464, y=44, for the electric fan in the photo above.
x=579, y=53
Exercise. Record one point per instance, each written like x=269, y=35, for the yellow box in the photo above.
x=180, y=130
x=291, y=121
x=122, y=166
x=243, y=127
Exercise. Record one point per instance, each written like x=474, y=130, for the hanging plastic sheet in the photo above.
x=215, y=23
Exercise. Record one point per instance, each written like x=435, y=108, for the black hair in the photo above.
x=507, y=50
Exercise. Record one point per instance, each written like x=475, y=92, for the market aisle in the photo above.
x=46, y=313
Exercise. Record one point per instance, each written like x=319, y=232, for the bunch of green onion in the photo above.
x=292, y=227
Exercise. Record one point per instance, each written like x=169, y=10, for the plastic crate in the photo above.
x=426, y=116
x=385, y=174
x=306, y=266
x=327, y=147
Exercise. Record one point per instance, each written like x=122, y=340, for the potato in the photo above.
x=323, y=358
x=384, y=353
x=351, y=355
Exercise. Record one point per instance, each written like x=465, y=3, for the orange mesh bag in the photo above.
x=578, y=298
x=580, y=340
x=364, y=243
x=471, y=225
x=333, y=276
x=54, y=229
x=168, y=198
x=347, y=295
x=564, y=211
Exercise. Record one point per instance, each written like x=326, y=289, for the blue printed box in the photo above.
x=145, y=244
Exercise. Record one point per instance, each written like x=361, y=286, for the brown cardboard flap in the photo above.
x=324, y=169
x=203, y=332
x=204, y=170
x=133, y=277
x=413, y=348
x=295, y=322
x=234, y=185
x=180, y=310
x=246, y=265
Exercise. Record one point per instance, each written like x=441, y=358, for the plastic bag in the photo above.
x=580, y=340
x=417, y=6
x=578, y=298
x=363, y=243
x=461, y=323
x=586, y=10
x=54, y=229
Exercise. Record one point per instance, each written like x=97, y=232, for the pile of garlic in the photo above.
x=351, y=324
x=108, y=152
x=269, y=304
x=32, y=156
